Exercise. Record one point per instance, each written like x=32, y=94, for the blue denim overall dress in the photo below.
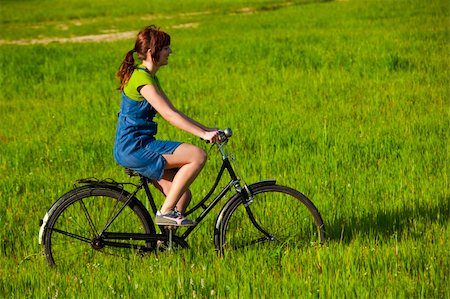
x=135, y=146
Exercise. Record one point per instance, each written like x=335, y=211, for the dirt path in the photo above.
x=84, y=39
x=77, y=39
x=125, y=35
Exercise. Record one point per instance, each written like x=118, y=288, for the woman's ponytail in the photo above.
x=126, y=69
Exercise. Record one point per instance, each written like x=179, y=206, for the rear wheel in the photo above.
x=282, y=217
x=72, y=234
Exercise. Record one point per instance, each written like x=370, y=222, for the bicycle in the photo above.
x=101, y=217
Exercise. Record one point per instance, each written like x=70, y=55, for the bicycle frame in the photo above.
x=144, y=183
x=234, y=182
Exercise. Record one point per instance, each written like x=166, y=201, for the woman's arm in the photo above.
x=165, y=108
x=193, y=120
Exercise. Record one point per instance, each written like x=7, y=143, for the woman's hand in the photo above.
x=211, y=135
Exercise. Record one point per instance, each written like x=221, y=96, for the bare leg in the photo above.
x=164, y=186
x=189, y=160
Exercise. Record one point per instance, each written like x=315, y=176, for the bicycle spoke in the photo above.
x=86, y=213
x=75, y=236
x=253, y=242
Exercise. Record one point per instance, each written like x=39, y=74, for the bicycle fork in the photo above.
x=247, y=199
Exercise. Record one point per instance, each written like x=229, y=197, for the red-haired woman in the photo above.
x=172, y=165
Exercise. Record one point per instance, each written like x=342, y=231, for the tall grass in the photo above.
x=346, y=101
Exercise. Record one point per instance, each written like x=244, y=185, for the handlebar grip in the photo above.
x=223, y=135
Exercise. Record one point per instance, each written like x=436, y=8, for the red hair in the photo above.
x=150, y=38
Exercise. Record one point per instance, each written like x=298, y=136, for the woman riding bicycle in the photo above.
x=172, y=165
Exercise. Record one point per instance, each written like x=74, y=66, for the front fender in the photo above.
x=235, y=197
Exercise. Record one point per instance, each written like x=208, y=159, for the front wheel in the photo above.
x=277, y=215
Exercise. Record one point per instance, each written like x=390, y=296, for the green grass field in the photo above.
x=346, y=101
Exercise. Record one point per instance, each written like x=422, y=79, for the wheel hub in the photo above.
x=97, y=243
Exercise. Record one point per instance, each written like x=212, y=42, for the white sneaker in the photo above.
x=173, y=218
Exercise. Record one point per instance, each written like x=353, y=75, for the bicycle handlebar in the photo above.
x=223, y=135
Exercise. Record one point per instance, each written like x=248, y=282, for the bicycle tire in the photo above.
x=71, y=232
x=285, y=213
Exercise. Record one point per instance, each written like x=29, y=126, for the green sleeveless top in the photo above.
x=140, y=77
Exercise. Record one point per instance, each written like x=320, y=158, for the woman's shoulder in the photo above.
x=141, y=74
x=139, y=78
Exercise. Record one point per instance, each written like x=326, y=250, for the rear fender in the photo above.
x=87, y=184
